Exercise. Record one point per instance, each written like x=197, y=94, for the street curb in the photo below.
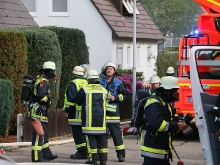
x=16, y=144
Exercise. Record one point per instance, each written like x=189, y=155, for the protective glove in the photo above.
x=189, y=119
x=215, y=111
x=178, y=118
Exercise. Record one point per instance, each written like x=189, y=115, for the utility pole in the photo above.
x=134, y=52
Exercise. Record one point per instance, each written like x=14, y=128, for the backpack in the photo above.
x=27, y=88
x=138, y=110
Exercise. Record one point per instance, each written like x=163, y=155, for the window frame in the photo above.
x=58, y=14
x=33, y=14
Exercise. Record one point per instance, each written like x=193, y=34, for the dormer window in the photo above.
x=128, y=7
x=125, y=7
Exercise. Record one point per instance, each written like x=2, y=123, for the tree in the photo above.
x=166, y=59
x=177, y=17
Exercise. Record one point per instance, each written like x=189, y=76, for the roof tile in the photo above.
x=14, y=14
x=122, y=26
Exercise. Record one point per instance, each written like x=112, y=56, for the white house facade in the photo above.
x=100, y=20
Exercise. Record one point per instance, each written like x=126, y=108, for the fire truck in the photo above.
x=207, y=33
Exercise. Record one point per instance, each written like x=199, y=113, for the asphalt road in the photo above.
x=190, y=153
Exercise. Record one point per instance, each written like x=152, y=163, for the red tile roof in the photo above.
x=14, y=14
x=122, y=26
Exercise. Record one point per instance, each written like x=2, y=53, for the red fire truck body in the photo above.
x=208, y=33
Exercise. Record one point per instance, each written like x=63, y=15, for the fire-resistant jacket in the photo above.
x=156, y=137
x=115, y=88
x=40, y=100
x=74, y=111
x=92, y=97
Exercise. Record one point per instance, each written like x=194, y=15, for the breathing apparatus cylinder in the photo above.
x=27, y=88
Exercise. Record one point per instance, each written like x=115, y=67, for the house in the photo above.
x=108, y=26
x=14, y=14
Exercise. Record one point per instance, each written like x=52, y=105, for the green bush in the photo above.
x=74, y=52
x=43, y=45
x=165, y=59
x=13, y=64
x=6, y=105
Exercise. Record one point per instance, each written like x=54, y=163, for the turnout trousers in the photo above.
x=97, y=147
x=40, y=145
x=117, y=136
x=149, y=161
x=79, y=139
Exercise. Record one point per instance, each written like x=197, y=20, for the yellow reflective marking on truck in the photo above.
x=214, y=2
x=204, y=86
x=182, y=85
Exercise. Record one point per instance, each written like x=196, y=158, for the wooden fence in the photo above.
x=57, y=126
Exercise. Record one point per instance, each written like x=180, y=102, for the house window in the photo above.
x=138, y=57
x=31, y=6
x=120, y=56
x=149, y=54
x=129, y=56
x=127, y=7
x=59, y=7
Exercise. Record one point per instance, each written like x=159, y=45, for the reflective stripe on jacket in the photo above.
x=38, y=108
x=112, y=107
x=156, y=138
x=75, y=111
x=94, y=110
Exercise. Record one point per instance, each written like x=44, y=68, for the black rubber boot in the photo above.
x=78, y=156
x=91, y=162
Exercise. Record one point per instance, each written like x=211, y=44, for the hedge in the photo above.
x=74, y=52
x=43, y=45
x=13, y=64
x=6, y=105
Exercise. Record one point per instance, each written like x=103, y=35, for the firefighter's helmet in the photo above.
x=170, y=70
x=86, y=67
x=169, y=82
x=78, y=70
x=110, y=63
x=155, y=79
x=92, y=74
x=49, y=65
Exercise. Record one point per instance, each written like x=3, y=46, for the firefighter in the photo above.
x=86, y=68
x=38, y=110
x=116, y=94
x=92, y=97
x=155, y=83
x=158, y=124
x=73, y=112
x=170, y=71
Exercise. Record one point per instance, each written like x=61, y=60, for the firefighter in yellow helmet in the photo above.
x=158, y=124
x=39, y=105
x=92, y=97
x=74, y=112
x=116, y=94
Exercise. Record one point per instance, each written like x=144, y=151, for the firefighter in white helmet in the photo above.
x=39, y=105
x=170, y=71
x=158, y=124
x=92, y=97
x=155, y=83
x=116, y=94
x=86, y=68
x=73, y=112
